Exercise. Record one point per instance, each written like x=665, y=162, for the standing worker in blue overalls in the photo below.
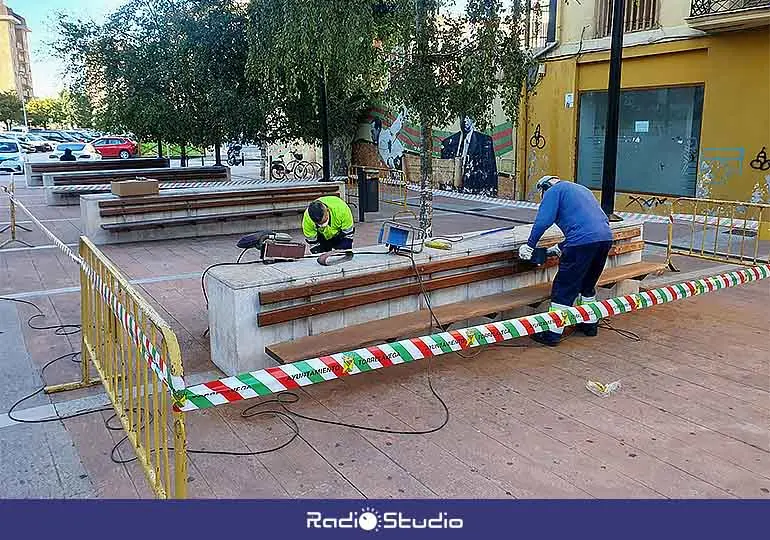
x=583, y=253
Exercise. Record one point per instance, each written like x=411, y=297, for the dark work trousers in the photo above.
x=579, y=270
x=339, y=242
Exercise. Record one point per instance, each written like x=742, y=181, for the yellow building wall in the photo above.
x=735, y=72
x=7, y=63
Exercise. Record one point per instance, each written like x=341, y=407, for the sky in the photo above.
x=40, y=15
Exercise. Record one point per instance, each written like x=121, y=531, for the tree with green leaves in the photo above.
x=78, y=111
x=455, y=65
x=295, y=47
x=171, y=70
x=43, y=112
x=10, y=109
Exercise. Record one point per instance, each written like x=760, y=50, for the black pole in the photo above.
x=550, y=36
x=613, y=110
x=325, y=143
x=362, y=198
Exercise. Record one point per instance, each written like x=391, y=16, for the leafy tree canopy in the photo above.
x=10, y=109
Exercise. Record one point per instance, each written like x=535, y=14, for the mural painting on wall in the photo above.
x=718, y=165
x=473, y=152
x=474, y=155
x=386, y=140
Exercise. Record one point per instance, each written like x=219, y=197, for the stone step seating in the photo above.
x=66, y=188
x=474, y=269
x=34, y=171
x=185, y=213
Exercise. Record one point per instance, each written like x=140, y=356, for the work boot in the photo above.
x=548, y=338
x=589, y=329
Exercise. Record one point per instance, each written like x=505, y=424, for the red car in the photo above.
x=115, y=147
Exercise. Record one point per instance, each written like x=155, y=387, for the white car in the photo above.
x=81, y=151
x=11, y=156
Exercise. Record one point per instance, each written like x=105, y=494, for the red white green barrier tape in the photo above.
x=272, y=380
x=151, y=354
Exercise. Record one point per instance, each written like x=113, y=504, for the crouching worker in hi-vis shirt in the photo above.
x=587, y=241
x=328, y=225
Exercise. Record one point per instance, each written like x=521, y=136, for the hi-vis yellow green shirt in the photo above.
x=340, y=220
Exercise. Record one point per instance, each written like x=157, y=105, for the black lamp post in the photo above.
x=323, y=107
x=613, y=112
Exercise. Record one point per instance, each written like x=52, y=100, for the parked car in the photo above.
x=11, y=156
x=26, y=147
x=52, y=135
x=41, y=143
x=82, y=151
x=80, y=135
x=115, y=147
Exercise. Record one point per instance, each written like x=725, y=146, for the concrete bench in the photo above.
x=297, y=310
x=65, y=188
x=187, y=213
x=34, y=171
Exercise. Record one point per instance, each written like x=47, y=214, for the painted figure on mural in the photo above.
x=386, y=139
x=474, y=153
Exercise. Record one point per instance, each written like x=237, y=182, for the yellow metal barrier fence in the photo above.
x=131, y=346
x=717, y=230
x=392, y=182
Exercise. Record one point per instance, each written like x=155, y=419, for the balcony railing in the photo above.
x=711, y=7
x=639, y=15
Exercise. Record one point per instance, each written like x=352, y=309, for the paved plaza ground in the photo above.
x=692, y=418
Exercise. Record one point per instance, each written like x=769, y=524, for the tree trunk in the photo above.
x=426, y=175
x=218, y=154
x=183, y=155
x=160, y=148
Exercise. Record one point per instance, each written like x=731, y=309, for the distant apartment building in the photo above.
x=695, y=99
x=15, y=68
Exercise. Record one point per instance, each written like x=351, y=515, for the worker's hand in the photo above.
x=553, y=251
x=525, y=252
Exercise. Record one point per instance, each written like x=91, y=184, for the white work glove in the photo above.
x=525, y=252
x=553, y=251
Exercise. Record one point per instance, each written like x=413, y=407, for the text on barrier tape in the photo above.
x=272, y=380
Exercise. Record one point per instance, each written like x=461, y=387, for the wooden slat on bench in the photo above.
x=425, y=269
x=197, y=205
x=127, y=201
x=75, y=179
x=304, y=291
x=192, y=220
x=99, y=165
x=411, y=324
x=309, y=309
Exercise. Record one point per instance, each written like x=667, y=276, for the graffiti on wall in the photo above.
x=646, y=203
x=760, y=163
x=761, y=191
x=717, y=167
x=474, y=156
x=537, y=140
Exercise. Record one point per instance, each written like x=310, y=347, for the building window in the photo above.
x=658, y=141
x=639, y=15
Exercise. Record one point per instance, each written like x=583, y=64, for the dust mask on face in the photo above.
x=324, y=224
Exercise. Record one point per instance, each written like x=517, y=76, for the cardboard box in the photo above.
x=134, y=188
